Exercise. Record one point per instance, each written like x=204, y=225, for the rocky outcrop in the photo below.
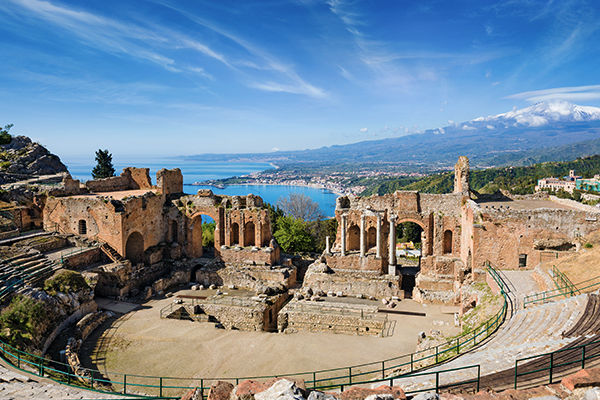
x=24, y=157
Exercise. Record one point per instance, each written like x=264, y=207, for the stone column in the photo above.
x=343, y=235
x=392, y=258
x=363, y=244
x=327, y=245
x=378, y=236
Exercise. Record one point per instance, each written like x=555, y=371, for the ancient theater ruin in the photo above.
x=153, y=236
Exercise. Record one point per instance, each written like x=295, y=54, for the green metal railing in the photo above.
x=563, y=292
x=562, y=282
x=553, y=362
x=378, y=371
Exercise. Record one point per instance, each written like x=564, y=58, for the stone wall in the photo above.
x=331, y=317
x=250, y=255
x=130, y=179
x=354, y=262
x=83, y=258
x=355, y=283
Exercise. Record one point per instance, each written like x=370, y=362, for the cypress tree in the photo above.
x=104, y=167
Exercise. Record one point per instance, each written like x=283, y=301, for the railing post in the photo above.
x=583, y=357
x=516, y=364
x=160, y=390
x=350, y=375
x=411, y=362
x=551, y=365
x=314, y=380
x=202, y=389
x=383, y=370
x=41, y=367
x=125, y=384
x=436, y=354
x=437, y=381
x=478, y=376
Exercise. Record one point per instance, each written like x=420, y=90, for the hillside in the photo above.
x=23, y=157
x=519, y=180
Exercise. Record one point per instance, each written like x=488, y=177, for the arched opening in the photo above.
x=371, y=237
x=196, y=231
x=266, y=235
x=353, y=238
x=249, y=234
x=134, y=249
x=173, y=232
x=408, y=243
x=235, y=234
x=208, y=236
x=448, y=242
x=82, y=227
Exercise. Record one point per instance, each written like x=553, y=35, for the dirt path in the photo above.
x=140, y=342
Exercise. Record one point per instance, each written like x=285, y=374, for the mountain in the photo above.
x=22, y=157
x=518, y=136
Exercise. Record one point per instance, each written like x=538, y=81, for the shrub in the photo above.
x=588, y=245
x=21, y=321
x=65, y=281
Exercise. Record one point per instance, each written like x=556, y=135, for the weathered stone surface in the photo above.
x=281, y=390
x=220, y=390
x=357, y=393
x=316, y=395
x=583, y=378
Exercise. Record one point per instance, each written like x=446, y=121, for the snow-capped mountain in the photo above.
x=545, y=113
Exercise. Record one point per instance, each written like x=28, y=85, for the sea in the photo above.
x=199, y=171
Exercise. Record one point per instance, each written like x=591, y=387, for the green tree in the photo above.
x=208, y=234
x=5, y=137
x=293, y=235
x=104, y=167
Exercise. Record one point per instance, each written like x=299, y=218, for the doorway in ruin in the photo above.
x=134, y=249
x=173, y=232
x=353, y=238
x=408, y=253
x=249, y=234
x=203, y=236
x=447, y=247
x=235, y=234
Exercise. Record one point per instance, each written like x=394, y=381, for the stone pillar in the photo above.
x=392, y=258
x=327, y=245
x=363, y=243
x=343, y=235
x=378, y=236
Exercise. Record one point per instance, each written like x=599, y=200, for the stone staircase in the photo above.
x=111, y=253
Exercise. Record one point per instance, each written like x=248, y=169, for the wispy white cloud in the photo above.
x=575, y=93
x=363, y=129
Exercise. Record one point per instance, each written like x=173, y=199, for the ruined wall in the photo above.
x=355, y=283
x=354, y=262
x=169, y=181
x=501, y=235
x=83, y=259
x=130, y=179
x=353, y=319
x=250, y=256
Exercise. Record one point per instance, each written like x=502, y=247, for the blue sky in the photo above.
x=166, y=77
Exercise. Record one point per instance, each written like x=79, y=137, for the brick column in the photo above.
x=363, y=243
x=343, y=235
x=378, y=236
x=392, y=255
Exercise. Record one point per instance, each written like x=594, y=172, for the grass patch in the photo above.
x=65, y=281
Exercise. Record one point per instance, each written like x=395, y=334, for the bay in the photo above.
x=199, y=171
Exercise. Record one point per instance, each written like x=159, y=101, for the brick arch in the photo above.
x=426, y=226
x=134, y=248
x=195, y=236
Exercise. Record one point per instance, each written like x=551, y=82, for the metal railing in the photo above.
x=378, y=371
x=552, y=361
x=562, y=282
x=563, y=292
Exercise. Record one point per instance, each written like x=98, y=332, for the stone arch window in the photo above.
x=448, y=242
x=235, y=233
x=134, y=249
x=82, y=226
x=249, y=234
x=371, y=237
x=353, y=238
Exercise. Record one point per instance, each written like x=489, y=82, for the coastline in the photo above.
x=311, y=185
